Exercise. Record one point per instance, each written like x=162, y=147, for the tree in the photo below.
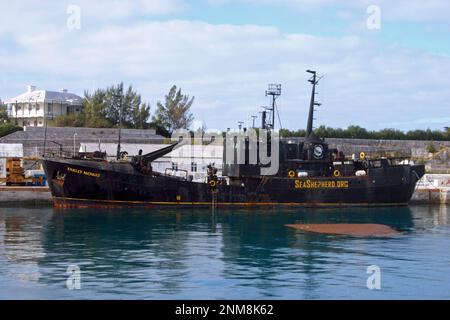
x=175, y=113
x=141, y=114
x=94, y=109
x=357, y=132
x=69, y=120
x=3, y=113
x=8, y=128
x=115, y=104
x=102, y=108
x=431, y=148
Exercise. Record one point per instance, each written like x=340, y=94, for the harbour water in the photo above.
x=236, y=254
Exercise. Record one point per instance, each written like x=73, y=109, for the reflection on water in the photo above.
x=248, y=254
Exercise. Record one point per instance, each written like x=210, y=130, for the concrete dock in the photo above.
x=433, y=189
x=17, y=195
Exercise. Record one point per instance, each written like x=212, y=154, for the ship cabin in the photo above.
x=301, y=158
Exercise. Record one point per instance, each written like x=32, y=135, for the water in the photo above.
x=243, y=254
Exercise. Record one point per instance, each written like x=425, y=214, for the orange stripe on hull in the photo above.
x=64, y=203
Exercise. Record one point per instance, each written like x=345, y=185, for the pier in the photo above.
x=433, y=189
x=22, y=195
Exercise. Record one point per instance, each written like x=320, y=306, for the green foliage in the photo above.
x=70, y=120
x=94, y=109
x=3, y=113
x=140, y=116
x=289, y=134
x=8, y=128
x=117, y=102
x=175, y=112
x=356, y=132
x=431, y=148
x=102, y=109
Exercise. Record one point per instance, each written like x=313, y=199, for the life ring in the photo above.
x=212, y=183
x=362, y=155
x=291, y=174
x=336, y=173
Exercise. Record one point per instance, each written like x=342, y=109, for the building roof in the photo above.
x=47, y=96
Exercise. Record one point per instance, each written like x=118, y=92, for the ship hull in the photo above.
x=83, y=183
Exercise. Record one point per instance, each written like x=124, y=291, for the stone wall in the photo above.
x=417, y=148
x=32, y=138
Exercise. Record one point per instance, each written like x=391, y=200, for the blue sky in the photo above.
x=225, y=52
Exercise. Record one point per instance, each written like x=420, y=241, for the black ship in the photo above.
x=309, y=174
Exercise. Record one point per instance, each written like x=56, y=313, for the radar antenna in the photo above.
x=274, y=90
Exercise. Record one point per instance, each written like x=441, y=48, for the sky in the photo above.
x=385, y=64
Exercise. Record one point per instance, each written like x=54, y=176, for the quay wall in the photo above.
x=433, y=189
x=25, y=195
x=417, y=148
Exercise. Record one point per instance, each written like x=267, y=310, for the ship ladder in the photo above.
x=214, y=200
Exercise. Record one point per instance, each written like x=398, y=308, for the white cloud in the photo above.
x=398, y=10
x=24, y=16
x=227, y=68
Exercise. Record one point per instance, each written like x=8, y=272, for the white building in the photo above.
x=28, y=108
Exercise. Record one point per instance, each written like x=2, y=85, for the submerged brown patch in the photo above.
x=361, y=230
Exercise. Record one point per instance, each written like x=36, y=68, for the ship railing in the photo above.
x=59, y=153
x=376, y=153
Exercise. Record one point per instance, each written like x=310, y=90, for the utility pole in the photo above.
x=74, y=144
x=254, y=118
x=120, y=127
x=46, y=125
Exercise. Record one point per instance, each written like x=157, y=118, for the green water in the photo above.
x=237, y=254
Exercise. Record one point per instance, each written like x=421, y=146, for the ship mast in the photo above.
x=314, y=80
x=274, y=91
